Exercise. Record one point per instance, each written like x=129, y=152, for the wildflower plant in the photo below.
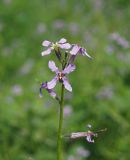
x=66, y=54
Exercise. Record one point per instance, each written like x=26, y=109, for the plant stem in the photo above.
x=59, y=140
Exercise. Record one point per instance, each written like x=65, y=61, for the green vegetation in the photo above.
x=101, y=87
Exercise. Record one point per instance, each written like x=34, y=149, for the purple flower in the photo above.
x=78, y=50
x=50, y=91
x=55, y=46
x=88, y=135
x=60, y=75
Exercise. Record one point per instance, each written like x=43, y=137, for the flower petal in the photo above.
x=70, y=68
x=46, y=43
x=88, y=55
x=65, y=46
x=90, y=136
x=43, y=86
x=75, y=50
x=52, y=93
x=66, y=84
x=83, y=52
x=46, y=52
x=52, y=83
x=89, y=139
x=62, y=40
x=52, y=66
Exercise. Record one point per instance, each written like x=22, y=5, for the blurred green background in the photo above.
x=101, y=87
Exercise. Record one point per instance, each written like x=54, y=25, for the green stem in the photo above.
x=59, y=141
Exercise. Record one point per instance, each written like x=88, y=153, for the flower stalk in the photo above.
x=59, y=139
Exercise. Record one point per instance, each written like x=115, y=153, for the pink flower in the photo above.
x=60, y=75
x=78, y=50
x=55, y=46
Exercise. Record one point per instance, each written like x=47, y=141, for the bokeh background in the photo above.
x=101, y=87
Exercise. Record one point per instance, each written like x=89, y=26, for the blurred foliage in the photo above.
x=101, y=87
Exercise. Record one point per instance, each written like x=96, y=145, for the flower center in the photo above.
x=60, y=76
x=55, y=46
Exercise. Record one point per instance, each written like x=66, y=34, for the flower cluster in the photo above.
x=66, y=60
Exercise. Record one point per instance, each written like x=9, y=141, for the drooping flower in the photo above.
x=88, y=135
x=55, y=46
x=50, y=91
x=60, y=75
x=78, y=50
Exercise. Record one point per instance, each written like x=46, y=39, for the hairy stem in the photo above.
x=59, y=140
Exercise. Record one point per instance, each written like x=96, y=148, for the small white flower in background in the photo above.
x=58, y=24
x=9, y=99
x=41, y=28
x=67, y=110
x=7, y=2
x=17, y=90
x=71, y=157
x=74, y=28
x=27, y=67
x=109, y=49
x=81, y=151
x=105, y=92
x=120, y=40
